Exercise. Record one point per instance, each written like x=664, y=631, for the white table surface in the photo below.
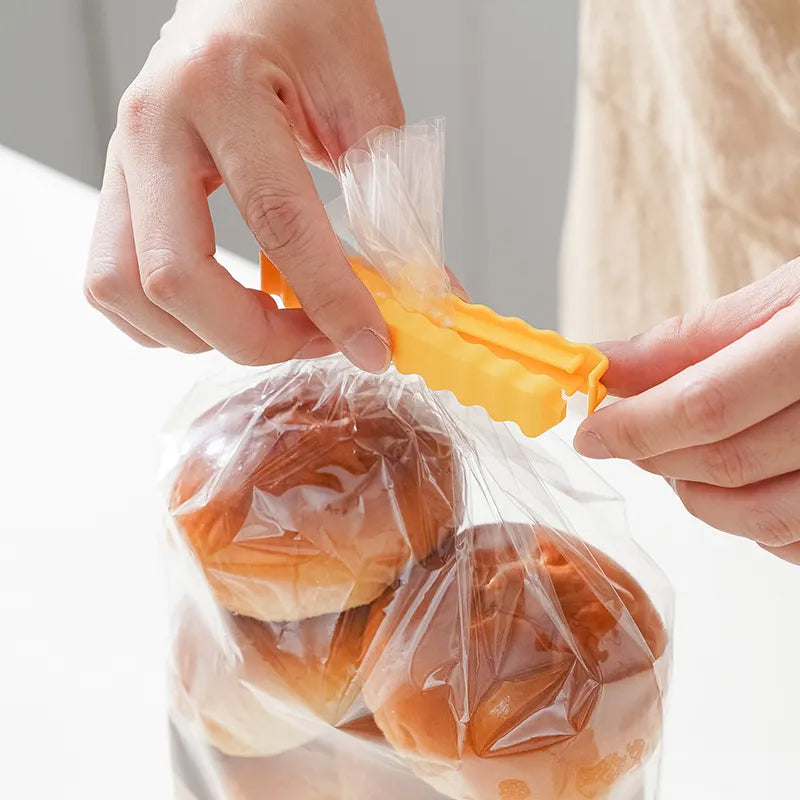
x=82, y=701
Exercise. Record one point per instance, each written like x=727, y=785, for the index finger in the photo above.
x=741, y=385
x=175, y=248
x=273, y=189
x=665, y=350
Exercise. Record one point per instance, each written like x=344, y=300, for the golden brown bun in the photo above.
x=315, y=662
x=269, y=687
x=308, y=496
x=221, y=692
x=473, y=675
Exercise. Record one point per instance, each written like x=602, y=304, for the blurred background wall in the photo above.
x=501, y=71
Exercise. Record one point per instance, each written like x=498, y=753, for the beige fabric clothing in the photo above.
x=686, y=169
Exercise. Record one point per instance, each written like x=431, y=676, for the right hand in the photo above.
x=240, y=92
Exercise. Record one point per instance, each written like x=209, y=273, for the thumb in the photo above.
x=679, y=342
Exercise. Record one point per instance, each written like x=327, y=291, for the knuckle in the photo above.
x=727, y=465
x=773, y=529
x=687, y=326
x=220, y=57
x=684, y=328
x=702, y=408
x=163, y=278
x=690, y=495
x=171, y=26
x=103, y=287
x=218, y=48
x=277, y=220
x=88, y=296
x=138, y=109
x=251, y=354
x=677, y=328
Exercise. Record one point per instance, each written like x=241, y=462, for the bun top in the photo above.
x=319, y=479
x=502, y=642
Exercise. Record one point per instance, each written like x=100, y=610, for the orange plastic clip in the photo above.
x=516, y=372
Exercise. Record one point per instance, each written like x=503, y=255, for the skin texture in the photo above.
x=241, y=92
x=712, y=403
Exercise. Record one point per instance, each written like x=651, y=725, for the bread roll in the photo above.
x=259, y=689
x=369, y=769
x=314, y=663
x=516, y=664
x=308, y=493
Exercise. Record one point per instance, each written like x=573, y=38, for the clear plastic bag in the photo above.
x=378, y=594
x=393, y=190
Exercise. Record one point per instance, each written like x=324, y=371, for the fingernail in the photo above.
x=589, y=444
x=318, y=347
x=368, y=350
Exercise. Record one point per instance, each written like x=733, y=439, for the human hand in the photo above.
x=713, y=404
x=240, y=92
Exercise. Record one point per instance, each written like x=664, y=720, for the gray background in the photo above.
x=501, y=71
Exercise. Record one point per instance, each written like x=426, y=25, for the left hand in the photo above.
x=712, y=403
